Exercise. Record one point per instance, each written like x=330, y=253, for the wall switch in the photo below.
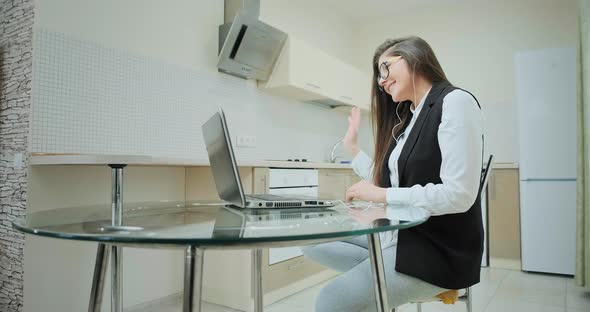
x=246, y=141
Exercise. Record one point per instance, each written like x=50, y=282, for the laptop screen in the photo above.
x=222, y=160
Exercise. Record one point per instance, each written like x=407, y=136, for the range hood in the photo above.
x=248, y=48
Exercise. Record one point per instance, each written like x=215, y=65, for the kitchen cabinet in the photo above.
x=504, y=218
x=225, y=271
x=284, y=273
x=307, y=74
x=333, y=183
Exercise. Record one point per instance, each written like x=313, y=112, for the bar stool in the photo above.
x=450, y=297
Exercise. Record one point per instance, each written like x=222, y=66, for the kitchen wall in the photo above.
x=475, y=42
x=128, y=86
x=139, y=77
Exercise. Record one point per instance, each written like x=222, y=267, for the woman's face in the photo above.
x=398, y=84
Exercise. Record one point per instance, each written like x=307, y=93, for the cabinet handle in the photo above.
x=337, y=175
x=346, y=97
x=312, y=85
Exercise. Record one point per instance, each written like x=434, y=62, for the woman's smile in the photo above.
x=390, y=85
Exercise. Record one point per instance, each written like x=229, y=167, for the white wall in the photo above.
x=182, y=32
x=475, y=42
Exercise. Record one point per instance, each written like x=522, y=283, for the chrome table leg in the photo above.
x=376, y=259
x=100, y=268
x=257, y=279
x=116, y=279
x=193, y=279
x=116, y=252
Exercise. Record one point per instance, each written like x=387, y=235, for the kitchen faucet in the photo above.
x=332, y=156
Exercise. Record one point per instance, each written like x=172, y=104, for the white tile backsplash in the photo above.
x=88, y=98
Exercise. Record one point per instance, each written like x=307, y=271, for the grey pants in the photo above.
x=353, y=291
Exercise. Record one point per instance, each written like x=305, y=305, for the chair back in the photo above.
x=485, y=174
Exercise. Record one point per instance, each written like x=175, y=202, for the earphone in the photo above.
x=362, y=206
x=396, y=109
x=399, y=123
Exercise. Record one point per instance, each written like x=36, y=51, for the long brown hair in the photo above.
x=421, y=59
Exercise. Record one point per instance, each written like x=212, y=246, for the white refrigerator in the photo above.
x=546, y=87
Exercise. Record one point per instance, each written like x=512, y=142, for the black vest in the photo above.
x=445, y=250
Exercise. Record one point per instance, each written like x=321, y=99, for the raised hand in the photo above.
x=351, y=137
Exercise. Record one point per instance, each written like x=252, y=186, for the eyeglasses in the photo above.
x=384, y=69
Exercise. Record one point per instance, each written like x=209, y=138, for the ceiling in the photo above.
x=369, y=9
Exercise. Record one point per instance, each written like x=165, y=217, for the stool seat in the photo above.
x=449, y=296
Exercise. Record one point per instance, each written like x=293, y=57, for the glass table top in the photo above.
x=215, y=224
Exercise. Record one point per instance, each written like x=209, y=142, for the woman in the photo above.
x=428, y=155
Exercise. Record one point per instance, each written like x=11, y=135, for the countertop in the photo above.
x=145, y=160
x=38, y=159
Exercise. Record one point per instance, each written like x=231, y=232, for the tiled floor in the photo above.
x=500, y=290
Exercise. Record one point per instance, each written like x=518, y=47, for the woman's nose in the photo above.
x=381, y=81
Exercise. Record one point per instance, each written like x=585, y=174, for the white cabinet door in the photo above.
x=292, y=177
x=548, y=226
x=308, y=67
x=309, y=74
x=362, y=91
x=350, y=85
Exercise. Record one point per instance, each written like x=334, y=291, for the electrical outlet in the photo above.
x=246, y=141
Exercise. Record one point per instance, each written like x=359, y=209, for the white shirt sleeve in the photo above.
x=460, y=141
x=362, y=164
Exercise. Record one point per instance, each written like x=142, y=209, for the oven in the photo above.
x=294, y=181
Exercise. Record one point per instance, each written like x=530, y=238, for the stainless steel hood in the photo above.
x=249, y=48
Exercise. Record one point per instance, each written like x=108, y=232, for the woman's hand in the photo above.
x=351, y=136
x=364, y=190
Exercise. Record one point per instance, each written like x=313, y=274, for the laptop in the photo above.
x=227, y=177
